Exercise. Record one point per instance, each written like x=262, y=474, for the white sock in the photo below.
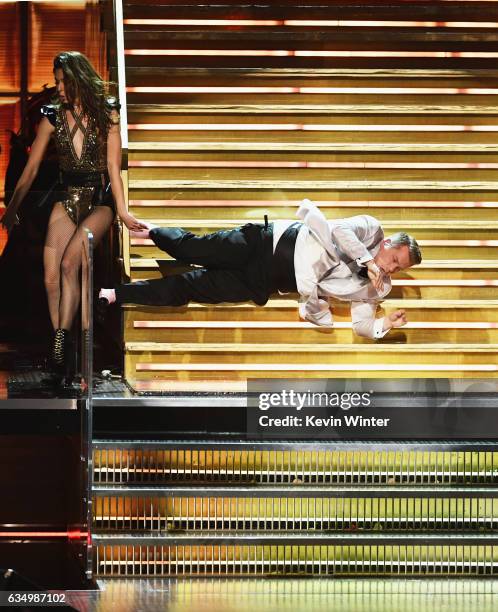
x=108, y=294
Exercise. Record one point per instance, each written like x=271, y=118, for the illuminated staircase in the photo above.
x=249, y=508
x=237, y=110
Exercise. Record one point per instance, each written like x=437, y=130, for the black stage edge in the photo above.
x=42, y=485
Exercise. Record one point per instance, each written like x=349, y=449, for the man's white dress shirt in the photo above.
x=327, y=257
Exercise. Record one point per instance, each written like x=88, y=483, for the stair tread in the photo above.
x=235, y=490
x=241, y=445
x=315, y=185
x=390, y=303
x=409, y=223
x=289, y=536
x=144, y=262
x=245, y=145
x=314, y=9
x=305, y=348
x=319, y=36
x=313, y=109
x=307, y=73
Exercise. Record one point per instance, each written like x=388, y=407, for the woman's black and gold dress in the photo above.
x=83, y=181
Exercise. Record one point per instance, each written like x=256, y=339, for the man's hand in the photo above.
x=397, y=318
x=144, y=232
x=375, y=275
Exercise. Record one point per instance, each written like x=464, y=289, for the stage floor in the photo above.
x=290, y=594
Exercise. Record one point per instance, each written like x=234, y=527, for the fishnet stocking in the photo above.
x=63, y=258
x=59, y=232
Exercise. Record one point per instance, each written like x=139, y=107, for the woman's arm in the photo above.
x=114, y=169
x=45, y=131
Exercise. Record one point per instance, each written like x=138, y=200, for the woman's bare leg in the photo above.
x=98, y=222
x=59, y=233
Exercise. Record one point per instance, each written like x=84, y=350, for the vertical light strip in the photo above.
x=120, y=57
x=118, y=15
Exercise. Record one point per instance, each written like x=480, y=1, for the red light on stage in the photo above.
x=70, y=535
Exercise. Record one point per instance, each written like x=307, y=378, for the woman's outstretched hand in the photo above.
x=10, y=218
x=134, y=225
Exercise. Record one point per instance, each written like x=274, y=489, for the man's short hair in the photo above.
x=403, y=239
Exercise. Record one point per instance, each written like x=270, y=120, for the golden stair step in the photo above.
x=479, y=272
x=480, y=307
x=438, y=239
x=306, y=349
x=306, y=96
x=232, y=171
x=330, y=78
x=459, y=265
x=155, y=365
x=308, y=120
x=311, y=146
x=292, y=160
x=211, y=193
x=224, y=384
x=230, y=333
x=343, y=75
x=355, y=112
x=429, y=321
x=333, y=36
x=412, y=224
x=152, y=360
x=314, y=9
x=431, y=248
x=249, y=209
x=423, y=312
x=318, y=185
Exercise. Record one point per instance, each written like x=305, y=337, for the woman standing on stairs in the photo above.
x=84, y=121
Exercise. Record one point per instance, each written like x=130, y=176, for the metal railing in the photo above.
x=298, y=466
x=421, y=558
x=87, y=392
x=252, y=510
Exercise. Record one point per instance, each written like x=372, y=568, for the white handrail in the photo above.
x=120, y=58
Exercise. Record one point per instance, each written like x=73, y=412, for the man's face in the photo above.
x=392, y=259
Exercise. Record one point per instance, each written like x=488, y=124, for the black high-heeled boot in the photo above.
x=63, y=355
x=61, y=338
x=54, y=365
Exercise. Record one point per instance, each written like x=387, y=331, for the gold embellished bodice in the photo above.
x=84, y=181
x=94, y=150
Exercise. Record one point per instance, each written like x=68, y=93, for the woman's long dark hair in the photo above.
x=83, y=83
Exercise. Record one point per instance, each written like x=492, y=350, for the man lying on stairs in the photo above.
x=347, y=259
